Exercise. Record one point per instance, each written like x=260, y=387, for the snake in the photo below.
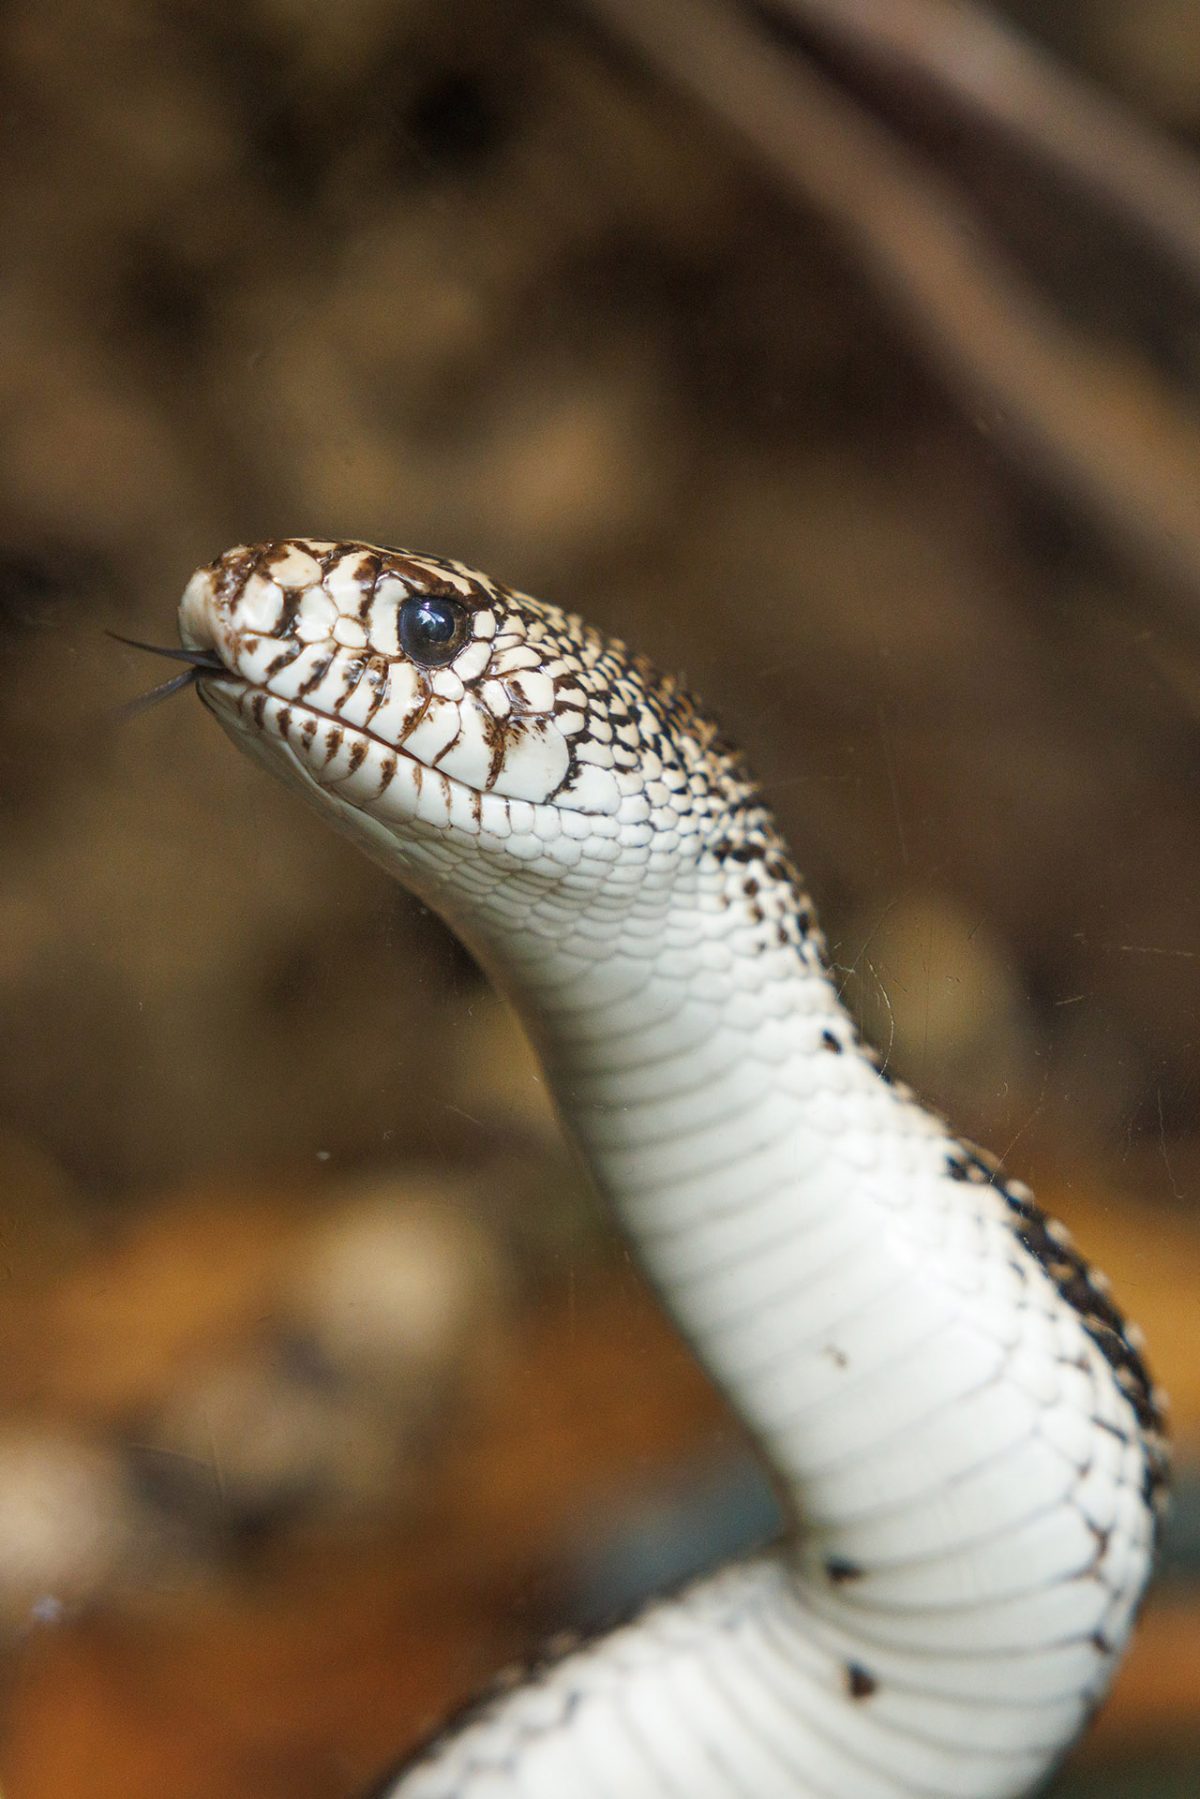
x=968, y=1448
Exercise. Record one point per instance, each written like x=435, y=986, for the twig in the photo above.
x=989, y=70
x=1101, y=424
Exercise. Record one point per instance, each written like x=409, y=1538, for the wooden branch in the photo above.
x=984, y=67
x=1097, y=421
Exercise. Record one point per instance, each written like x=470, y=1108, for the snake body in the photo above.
x=956, y=1415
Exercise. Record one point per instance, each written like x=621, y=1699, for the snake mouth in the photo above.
x=363, y=773
x=257, y=699
x=362, y=770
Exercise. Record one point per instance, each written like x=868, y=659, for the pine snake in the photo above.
x=941, y=1387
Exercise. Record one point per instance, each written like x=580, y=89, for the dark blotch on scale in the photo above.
x=860, y=1683
x=736, y=852
x=1103, y=1321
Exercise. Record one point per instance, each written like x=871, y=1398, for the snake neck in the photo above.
x=943, y=1393
x=955, y=1412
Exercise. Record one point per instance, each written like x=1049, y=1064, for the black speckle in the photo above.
x=1154, y=1483
x=735, y=852
x=1084, y=1293
x=830, y=1042
x=860, y=1684
x=839, y=1569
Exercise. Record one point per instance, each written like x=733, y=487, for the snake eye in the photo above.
x=432, y=628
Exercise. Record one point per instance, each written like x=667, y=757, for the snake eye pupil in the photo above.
x=432, y=628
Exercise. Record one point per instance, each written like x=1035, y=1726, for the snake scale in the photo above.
x=956, y=1415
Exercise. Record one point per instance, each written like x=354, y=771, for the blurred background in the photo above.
x=775, y=339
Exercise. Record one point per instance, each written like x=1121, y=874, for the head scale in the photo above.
x=423, y=702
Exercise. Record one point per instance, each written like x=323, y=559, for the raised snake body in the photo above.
x=954, y=1411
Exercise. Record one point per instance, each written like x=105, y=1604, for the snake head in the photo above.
x=425, y=701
